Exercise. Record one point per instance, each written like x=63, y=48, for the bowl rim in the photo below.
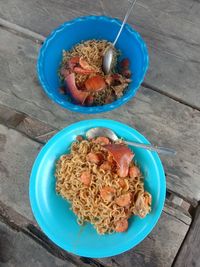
x=95, y=109
x=36, y=210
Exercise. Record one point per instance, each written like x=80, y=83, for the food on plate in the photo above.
x=103, y=184
x=83, y=77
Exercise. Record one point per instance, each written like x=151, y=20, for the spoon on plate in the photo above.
x=95, y=132
x=110, y=53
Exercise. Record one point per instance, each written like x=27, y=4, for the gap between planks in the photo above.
x=19, y=223
x=177, y=99
x=16, y=120
x=21, y=31
x=188, y=254
x=18, y=30
x=41, y=132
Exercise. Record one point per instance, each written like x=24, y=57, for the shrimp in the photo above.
x=121, y=226
x=102, y=140
x=134, y=172
x=79, y=65
x=107, y=193
x=123, y=200
x=85, y=178
x=85, y=65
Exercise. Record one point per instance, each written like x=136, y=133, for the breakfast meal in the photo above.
x=103, y=184
x=82, y=75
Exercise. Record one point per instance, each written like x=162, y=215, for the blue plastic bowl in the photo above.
x=85, y=28
x=53, y=213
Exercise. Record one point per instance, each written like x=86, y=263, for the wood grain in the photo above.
x=158, y=249
x=22, y=224
x=187, y=10
x=17, y=154
x=173, y=44
x=170, y=28
x=162, y=120
x=16, y=249
x=189, y=253
x=171, y=31
x=33, y=128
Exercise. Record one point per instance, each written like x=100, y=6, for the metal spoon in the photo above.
x=109, y=54
x=95, y=132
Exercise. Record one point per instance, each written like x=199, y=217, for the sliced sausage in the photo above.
x=121, y=226
x=86, y=178
x=107, y=193
x=123, y=200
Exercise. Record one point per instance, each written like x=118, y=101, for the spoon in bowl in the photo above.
x=95, y=132
x=110, y=53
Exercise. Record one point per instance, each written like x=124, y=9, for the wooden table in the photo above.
x=166, y=109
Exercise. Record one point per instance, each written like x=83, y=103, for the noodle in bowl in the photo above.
x=81, y=30
x=84, y=61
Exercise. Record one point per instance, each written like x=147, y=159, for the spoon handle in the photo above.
x=124, y=21
x=158, y=149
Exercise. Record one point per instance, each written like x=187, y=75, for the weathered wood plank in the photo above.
x=22, y=31
x=33, y=128
x=173, y=47
x=177, y=201
x=43, y=13
x=188, y=10
x=163, y=120
x=18, y=222
x=156, y=250
x=189, y=254
x=16, y=249
x=17, y=155
x=177, y=211
x=170, y=28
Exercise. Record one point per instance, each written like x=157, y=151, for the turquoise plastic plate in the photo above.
x=53, y=213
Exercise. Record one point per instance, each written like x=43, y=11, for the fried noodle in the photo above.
x=92, y=52
x=86, y=201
